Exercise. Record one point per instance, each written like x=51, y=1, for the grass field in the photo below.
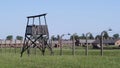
x=10, y=59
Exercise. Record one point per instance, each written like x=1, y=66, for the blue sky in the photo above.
x=64, y=16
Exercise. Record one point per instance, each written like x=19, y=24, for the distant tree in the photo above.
x=106, y=36
x=91, y=36
x=83, y=36
x=116, y=36
x=9, y=37
x=53, y=38
x=71, y=37
x=19, y=38
x=76, y=37
x=97, y=37
x=58, y=37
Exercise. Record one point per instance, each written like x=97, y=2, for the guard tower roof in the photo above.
x=37, y=15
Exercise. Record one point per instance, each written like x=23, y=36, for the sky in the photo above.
x=63, y=16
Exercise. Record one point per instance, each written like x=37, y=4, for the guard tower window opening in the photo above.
x=42, y=20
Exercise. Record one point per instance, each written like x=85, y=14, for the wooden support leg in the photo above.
x=50, y=48
x=28, y=51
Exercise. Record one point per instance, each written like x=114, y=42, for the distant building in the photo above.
x=108, y=42
x=82, y=42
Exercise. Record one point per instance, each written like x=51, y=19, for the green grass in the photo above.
x=10, y=59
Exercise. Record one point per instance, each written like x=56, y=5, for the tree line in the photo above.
x=10, y=37
x=83, y=36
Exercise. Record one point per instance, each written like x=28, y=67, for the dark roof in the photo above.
x=107, y=41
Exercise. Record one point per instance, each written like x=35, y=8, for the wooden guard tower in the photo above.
x=36, y=35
